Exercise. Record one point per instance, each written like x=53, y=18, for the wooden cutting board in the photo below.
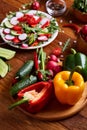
x=54, y=110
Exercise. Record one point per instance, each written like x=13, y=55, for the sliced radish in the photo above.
x=19, y=14
x=24, y=45
x=6, y=31
x=22, y=36
x=44, y=21
x=9, y=37
x=14, y=21
x=42, y=38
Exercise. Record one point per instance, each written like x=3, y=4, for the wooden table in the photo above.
x=15, y=119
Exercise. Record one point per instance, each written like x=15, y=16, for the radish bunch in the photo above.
x=53, y=62
x=84, y=32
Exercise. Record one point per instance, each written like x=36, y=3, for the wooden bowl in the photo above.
x=80, y=15
x=81, y=44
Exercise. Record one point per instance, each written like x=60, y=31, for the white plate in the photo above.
x=44, y=43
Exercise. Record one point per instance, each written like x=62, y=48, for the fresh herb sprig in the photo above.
x=80, y=5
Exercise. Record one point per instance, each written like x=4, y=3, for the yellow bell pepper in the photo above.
x=68, y=91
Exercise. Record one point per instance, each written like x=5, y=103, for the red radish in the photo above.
x=22, y=36
x=51, y=73
x=53, y=58
x=6, y=31
x=16, y=40
x=51, y=65
x=57, y=69
x=24, y=45
x=35, y=5
x=9, y=37
x=14, y=21
x=84, y=30
x=57, y=51
x=42, y=38
x=86, y=38
x=19, y=14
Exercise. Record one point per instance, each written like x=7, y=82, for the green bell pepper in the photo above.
x=76, y=59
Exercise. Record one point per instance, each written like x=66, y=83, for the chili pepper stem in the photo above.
x=70, y=81
x=17, y=103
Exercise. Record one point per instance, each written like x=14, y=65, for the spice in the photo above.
x=56, y=8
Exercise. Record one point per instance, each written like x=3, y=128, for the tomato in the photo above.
x=17, y=28
x=46, y=24
x=57, y=51
x=16, y=40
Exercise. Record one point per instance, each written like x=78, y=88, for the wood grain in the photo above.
x=16, y=119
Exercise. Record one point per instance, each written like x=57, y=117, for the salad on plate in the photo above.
x=29, y=29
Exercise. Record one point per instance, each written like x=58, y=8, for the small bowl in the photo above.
x=56, y=7
x=80, y=15
x=81, y=44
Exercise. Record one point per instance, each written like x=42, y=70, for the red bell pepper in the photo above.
x=33, y=98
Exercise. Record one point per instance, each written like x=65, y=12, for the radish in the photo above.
x=42, y=38
x=19, y=14
x=6, y=31
x=51, y=73
x=51, y=65
x=86, y=38
x=53, y=58
x=24, y=45
x=57, y=51
x=35, y=5
x=9, y=37
x=57, y=69
x=22, y=36
x=84, y=30
x=14, y=21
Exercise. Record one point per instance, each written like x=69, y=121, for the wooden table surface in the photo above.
x=15, y=119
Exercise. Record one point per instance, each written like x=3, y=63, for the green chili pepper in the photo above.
x=76, y=59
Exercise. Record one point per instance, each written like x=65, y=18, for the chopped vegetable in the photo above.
x=3, y=68
x=28, y=27
x=33, y=98
x=7, y=53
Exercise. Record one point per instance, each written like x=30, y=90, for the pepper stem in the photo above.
x=17, y=103
x=73, y=51
x=70, y=81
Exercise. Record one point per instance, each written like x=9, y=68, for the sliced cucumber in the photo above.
x=8, y=24
x=45, y=30
x=14, y=33
x=6, y=53
x=3, y=68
